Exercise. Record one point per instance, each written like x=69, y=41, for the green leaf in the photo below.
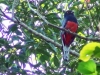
x=98, y=67
x=92, y=1
x=56, y=61
x=2, y=40
x=88, y=67
x=97, y=52
x=12, y=27
x=88, y=50
x=44, y=52
x=43, y=58
x=81, y=34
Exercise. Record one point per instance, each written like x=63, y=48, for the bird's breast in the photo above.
x=72, y=26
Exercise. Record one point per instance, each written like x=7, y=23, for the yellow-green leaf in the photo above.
x=81, y=34
x=82, y=1
x=88, y=50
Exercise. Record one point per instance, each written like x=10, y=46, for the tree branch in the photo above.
x=45, y=38
x=37, y=34
x=52, y=25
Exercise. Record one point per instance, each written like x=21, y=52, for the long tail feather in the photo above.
x=65, y=52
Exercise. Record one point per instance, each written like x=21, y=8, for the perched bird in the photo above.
x=69, y=23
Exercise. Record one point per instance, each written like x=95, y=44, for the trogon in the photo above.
x=70, y=23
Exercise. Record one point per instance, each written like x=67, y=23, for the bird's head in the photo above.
x=69, y=12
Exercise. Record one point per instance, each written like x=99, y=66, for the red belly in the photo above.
x=67, y=37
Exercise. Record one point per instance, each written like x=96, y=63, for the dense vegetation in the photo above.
x=30, y=42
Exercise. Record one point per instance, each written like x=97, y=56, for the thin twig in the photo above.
x=38, y=34
x=52, y=25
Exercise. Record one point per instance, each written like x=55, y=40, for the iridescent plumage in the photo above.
x=69, y=22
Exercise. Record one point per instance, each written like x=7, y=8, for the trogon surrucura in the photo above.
x=69, y=23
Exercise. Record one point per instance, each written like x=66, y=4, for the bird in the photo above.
x=70, y=23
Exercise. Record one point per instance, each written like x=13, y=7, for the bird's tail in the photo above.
x=65, y=52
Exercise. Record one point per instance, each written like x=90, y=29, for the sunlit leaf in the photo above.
x=88, y=50
x=82, y=1
x=81, y=34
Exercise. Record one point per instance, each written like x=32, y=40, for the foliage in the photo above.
x=19, y=47
x=90, y=49
x=87, y=69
